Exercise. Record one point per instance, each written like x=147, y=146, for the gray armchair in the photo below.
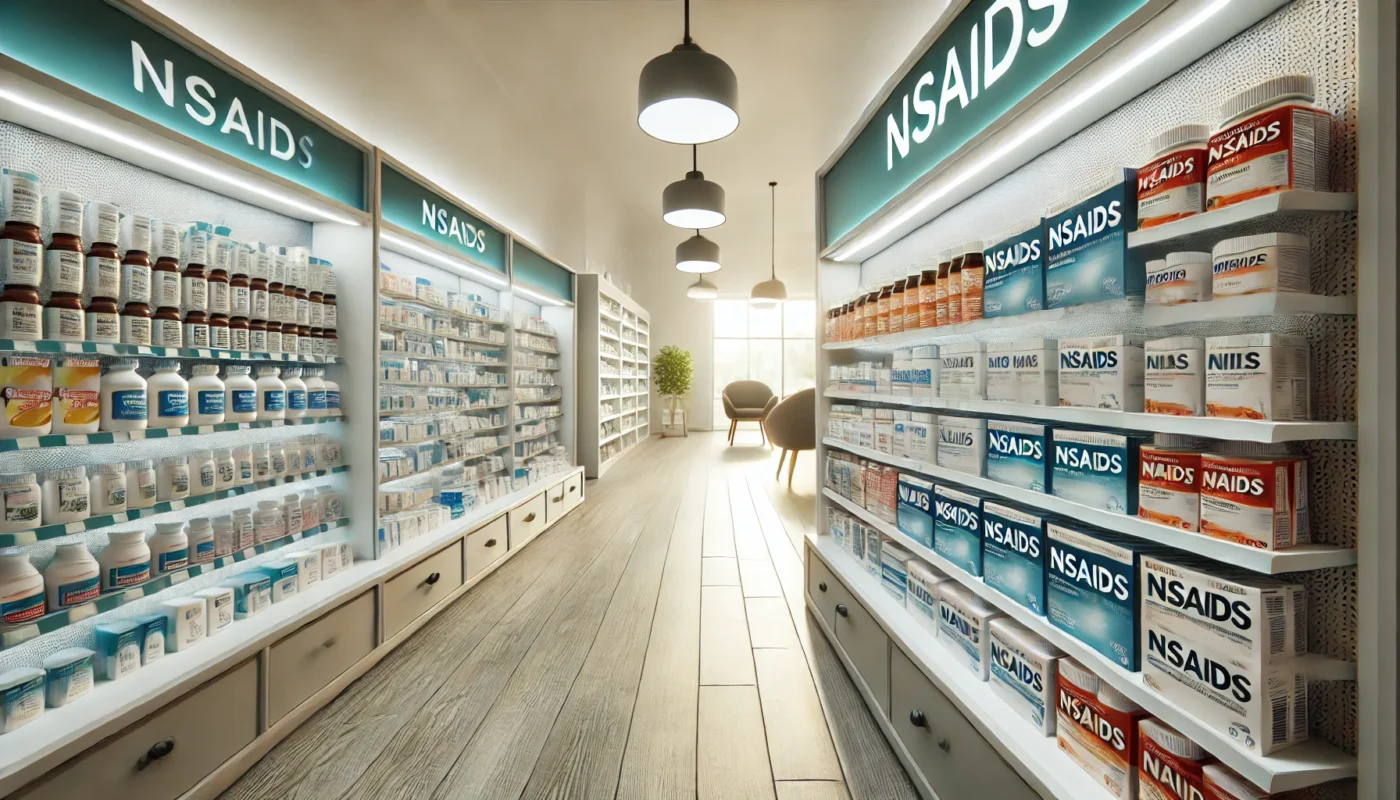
x=792, y=425
x=747, y=401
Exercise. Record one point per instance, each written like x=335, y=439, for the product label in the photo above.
x=22, y=196
x=1172, y=187
x=332, y=399
x=195, y=292
x=238, y=339
x=225, y=476
x=136, y=283
x=1087, y=257
x=206, y=475
x=19, y=321
x=21, y=505
x=20, y=262
x=174, y=559
x=1164, y=776
x=296, y=400
x=136, y=330
x=166, y=288
x=1025, y=679
x=274, y=400
x=1174, y=381
x=1100, y=739
x=210, y=402
x=219, y=337
x=73, y=496
x=273, y=341
x=167, y=333
x=240, y=301
x=1095, y=469
x=102, y=327
x=196, y=335
x=63, y=324
x=129, y=575
x=63, y=271
x=204, y=552
x=129, y=404
x=1091, y=593
x=329, y=316
x=306, y=346
x=303, y=312
x=1265, y=153
x=79, y=591
x=915, y=512
x=957, y=534
x=1178, y=283
x=1016, y=455
x=258, y=304
x=180, y=482
x=245, y=401
x=22, y=609
x=218, y=297
x=174, y=403
x=104, y=277
x=317, y=314
x=277, y=462
x=1013, y=554
x=1015, y=276
x=316, y=399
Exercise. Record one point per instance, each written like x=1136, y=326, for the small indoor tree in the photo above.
x=672, y=373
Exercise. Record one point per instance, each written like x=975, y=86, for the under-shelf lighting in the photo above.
x=1055, y=114
x=542, y=299
x=461, y=267
x=171, y=157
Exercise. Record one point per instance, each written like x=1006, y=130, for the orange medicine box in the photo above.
x=1271, y=139
x=1261, y=502
x=1172, y=185
x=1169, y=486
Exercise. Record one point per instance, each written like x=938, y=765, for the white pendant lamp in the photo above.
x=697, y=255
x=694, y=202
x=702, y=290
x=688, y=96
x=771, y=292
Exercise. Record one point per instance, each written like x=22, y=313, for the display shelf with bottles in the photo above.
x=614, y=373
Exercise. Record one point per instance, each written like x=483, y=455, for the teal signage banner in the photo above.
x=992, y=56
x=412, y=206
x=539, y=273
x=99, y=48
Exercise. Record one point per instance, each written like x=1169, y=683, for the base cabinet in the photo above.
x=306, y=661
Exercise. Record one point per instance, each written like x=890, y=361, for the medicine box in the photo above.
x=874, y=552
x=920, y=434
x=1097, y=727
x=962, y=444
x=922, y=597
x=1183, y=277
x=1261, y=502
x=1262, y=376
x=283, y=575
x=186, y=624
x=1102, y=372
x=1001, y=378
x=957, y=530
x=1169, y=486
x=1023, y=673
x=963, y=371
x=900, y=383
x=924, y=369
x=916, y=509
x=1035, y=364
x=1018, y=454
x=1013, y=554
x=1086, y=244
x=118, y=649
x=1092, y=589
x=1097, y=469
x=963, y=620
x=894, y=569
x=1265, y=262
x=1014, y=279
x=218, y=609
x=1174, y=376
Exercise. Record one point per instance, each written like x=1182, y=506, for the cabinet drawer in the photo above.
x=485, y=545
x=303, y=663
x=573, y=491
x=954, y=758
x=420, y=587
x=554, y=504
x=868, y=648
x=824, y=589
x=204, y=729
x=527, y=521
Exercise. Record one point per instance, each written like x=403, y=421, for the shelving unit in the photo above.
x=615, y=374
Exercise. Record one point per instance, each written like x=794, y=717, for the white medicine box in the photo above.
x=963, y=371
x=1261, y=376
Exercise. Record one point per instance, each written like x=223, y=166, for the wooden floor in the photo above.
x=653, y=645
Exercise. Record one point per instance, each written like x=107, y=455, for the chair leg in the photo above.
x=792, y=465
x=779, y=474
x=732, y=424
x=763, y=433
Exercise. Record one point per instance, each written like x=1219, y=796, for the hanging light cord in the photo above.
x=694, y=159
x=773, y=231
x=687, y=22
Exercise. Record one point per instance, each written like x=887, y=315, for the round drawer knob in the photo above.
x=433, y=578
x=822, y=586
x=158, y=751
x=945, y=746
x=490, y=542
x=842, y=610
x=917, y=719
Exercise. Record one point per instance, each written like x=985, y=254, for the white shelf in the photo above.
x=1270, y=562
x=418, y=385
x=1220, y=224
x=1303, y=765
x=1211, y=427
x=1272, y=304
x=431, y=411
x=389, y=326
x=609, y=438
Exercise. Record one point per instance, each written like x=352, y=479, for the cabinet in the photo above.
x=527, y=520
x=485, y=545
x=614, y=359
x=866, y=645
x=420, y=587
x=308, y=660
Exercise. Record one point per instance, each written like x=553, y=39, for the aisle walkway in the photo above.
x=643, y=649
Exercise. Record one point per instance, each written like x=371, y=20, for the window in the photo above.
x=774, y=345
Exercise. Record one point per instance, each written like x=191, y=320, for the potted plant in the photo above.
x=672, y=372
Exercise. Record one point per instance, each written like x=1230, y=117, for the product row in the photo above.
x=1259, y=376
x=461, y=489
x=113, y=276
x=402, y=461
x=1270, y=138
x=411, y=344
x=408, y=315
x=439, y=373
x=401, y=400
x=122, y=647
x=436, y=298
x=1255, y=495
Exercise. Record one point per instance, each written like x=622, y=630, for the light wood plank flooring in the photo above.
x=654, y=645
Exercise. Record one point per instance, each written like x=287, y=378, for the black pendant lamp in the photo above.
x=771, y=292
x=688, y=96
x=693, y=202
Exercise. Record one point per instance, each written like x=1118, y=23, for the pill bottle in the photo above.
x=276, y=302
x=77, y=384
x=225, y=472
x=195, y=329
x=242, y=528
x=272, y=394
x=1172, y=184
x=262, y=463
x=26, y=390
x=21, y=255
x=167, y=329
x=291, y=338
x=170, y=547
x=330, y=345
x=268, y=523
x=221, y=262
x=136, y=279
x=123, y=397
x=330, y=502
x=173, y=478
x=165, y=272
x=194, y=253
x=238, y=334
x=261, y=262
x=316, y=297
x=291, y=514
x=329, y=316
x=972, y=273
x=242, y=466
x=72, y=577
x=296, y=393
x=20, y=502
x=310, y=510
x=201, y=540
x=310, y=453
x=206, y=393
x=940, y=293
x=240, y=280
x=315, y=392
x=102, y=272
x=955, y=289
x=330, y=451
x=168, y=395
x=220, y=335
x=1271, y=138
x=240, y=395
x=65, y=495
x=203, y=472
x=108, y=491
x=257, y=336
x=276, y=459
x=125, y=561
x=896, y=319
x=332, y=398
x=140, y=483
x=21, y=588
x=911, y=303
x=882, y=310
x=222, y=525
x=63, y=266
x=292, y=451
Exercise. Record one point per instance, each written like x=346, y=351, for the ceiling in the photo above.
x=526, y=109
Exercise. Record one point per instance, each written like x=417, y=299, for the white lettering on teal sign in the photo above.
x=446, y=224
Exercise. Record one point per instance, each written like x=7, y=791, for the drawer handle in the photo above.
x=432, y=579
x=158, y=751
x=842, y=610
x=490, y=542
x=572, y=488
x=945, y=746
x=529, y=518
x=558, y=499
x=917, y=719
x=329, y=643
x=822, y=586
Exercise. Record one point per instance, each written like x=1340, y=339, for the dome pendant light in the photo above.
x=688, y=96
x=694, y=202
x=702, y=290
x=697, y=255
x=771, y=292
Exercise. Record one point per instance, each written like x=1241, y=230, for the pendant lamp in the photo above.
x=697, y=255
x=694, y=202
x=688, y=96
x=702, y=290
x=771, y=292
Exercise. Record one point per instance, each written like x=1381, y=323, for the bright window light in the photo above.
x=536, y=296
x=460, y=267
x=1049, y=118
x=173, y=158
